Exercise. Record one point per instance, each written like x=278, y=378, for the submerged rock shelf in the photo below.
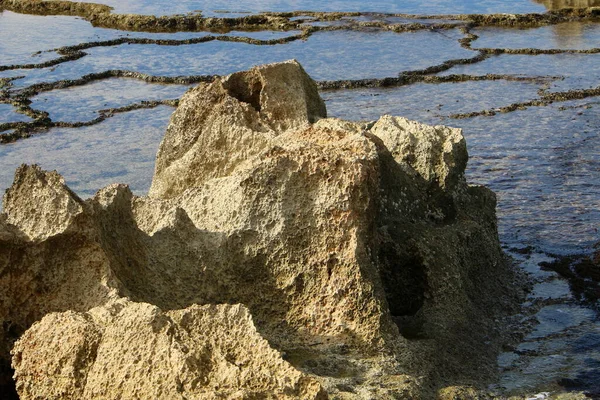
x=21, y=96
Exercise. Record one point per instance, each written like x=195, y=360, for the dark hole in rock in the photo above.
x=345, y=388
x=245, y=88
x=404, y=280
x=444, y=202
x=588, y=269
x=10, y=333
x=8, y=390
x=410, y=327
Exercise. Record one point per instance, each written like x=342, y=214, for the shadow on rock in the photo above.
x=279, y=253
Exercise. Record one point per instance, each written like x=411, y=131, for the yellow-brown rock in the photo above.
x=280, y=254
x=220, y=125
x=127, y=350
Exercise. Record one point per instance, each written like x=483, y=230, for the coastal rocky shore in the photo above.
x=278, y=254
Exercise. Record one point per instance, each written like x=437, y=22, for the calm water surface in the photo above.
x=9, y=114
x=325, y=55
x=569, y=35
x=164, y=7
x=82, y=103
x=120, y=150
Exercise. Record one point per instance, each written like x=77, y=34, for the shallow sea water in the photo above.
x=9, y=114
x=568, y=35
x=119, y=150
x=575, y=71
x=82, y=103
x=542, y=161
x=427, y=102
x=325, y=56
x=19, y=43
x=212, y=7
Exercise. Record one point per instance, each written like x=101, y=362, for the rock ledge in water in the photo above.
x=280, y=254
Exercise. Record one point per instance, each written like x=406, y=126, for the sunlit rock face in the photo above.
x=280, y=254
x=134, y=350
x=220, y=125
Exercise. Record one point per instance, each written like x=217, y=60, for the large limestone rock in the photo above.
x=280, y=253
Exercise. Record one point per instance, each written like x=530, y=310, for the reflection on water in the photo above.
x=573, y=35
x=209, y=7
x=558, y=4
x=81, y=103
x=557, y=318
x=325, y=55
x=568, y=35
x=20, y=44
x=18, y=41
x=429, y=103
x=577, y=71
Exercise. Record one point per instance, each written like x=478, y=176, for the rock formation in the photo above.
x=134, y=350
x=279, y=254
x=220, y=125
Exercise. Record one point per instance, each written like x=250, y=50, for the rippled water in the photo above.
x=428, y=102
x=545, y=178
x=9, y=114
x=82, y=103
x=576, y=71
x=325, y=55
x=164, y=7
x=120, y=150
x=542, y=160
x=20, y=44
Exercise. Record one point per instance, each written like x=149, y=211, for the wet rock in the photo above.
x=582, y=271
x=101, y=15
x=356, y=250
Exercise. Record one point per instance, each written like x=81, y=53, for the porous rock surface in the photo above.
x=280, y=254
x=134, y=350
x=220, y=125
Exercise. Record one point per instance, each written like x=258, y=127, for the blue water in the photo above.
x=9, y=114
x=325, y=55
x=164, y=7
x=82, y=103
x=120, y=150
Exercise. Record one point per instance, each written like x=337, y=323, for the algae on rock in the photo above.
x=280, y=253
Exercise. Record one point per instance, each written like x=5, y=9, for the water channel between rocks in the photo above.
x=527, y=98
